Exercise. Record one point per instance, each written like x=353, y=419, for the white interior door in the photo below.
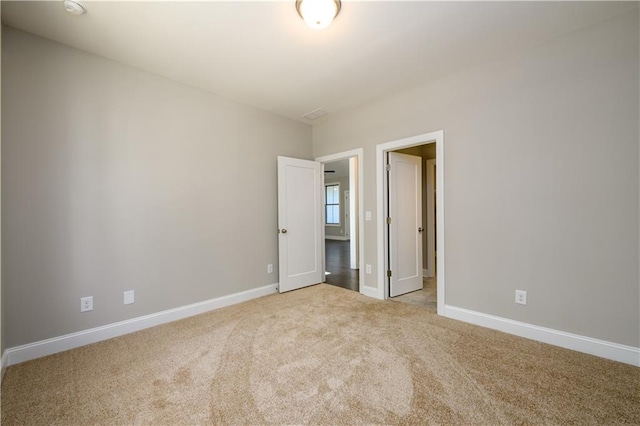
x=405, y=229
x=300, y=199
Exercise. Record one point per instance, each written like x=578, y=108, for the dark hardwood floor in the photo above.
x=337, y=259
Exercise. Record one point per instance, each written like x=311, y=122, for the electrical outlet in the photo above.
x=86, y=304
x=129, y=297
x=270, y=268
x=367, y=215
x=367, y=268
x=521, y=297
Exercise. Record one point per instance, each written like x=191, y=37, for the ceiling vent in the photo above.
x=314, y=114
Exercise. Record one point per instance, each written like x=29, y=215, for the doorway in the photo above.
x=343, y=219
x=426, y=147
x=417, y=211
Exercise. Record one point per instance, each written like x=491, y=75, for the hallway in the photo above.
x=337, y=264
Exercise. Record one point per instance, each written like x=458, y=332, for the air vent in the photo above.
x=315, y=114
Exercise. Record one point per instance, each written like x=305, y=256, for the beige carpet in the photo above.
x=321, y=355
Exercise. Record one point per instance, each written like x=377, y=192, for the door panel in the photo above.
x=299, y=223
x=405, y=229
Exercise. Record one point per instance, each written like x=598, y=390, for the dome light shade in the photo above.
x=318, y=13
x=74, y=7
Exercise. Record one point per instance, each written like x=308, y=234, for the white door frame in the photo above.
x=359, y=154
x=354, y=228
x=381, y=185
x=431, y=241
x=346, y=216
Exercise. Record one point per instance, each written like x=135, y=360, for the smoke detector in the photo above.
x=74, y=7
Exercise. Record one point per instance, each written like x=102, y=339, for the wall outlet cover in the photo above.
x=521, y=297
x=129, y=297
x=86, y=304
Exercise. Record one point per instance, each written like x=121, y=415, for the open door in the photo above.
x=405, y=225
x=300, y=233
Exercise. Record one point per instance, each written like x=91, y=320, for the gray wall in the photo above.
x=338, y=231
x=114, y=179
x=541, y=179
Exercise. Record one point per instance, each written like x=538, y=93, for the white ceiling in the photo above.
x=262, y=54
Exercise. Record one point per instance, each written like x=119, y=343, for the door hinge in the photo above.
x=388, y=167
x=389, y=273
x=388, y=221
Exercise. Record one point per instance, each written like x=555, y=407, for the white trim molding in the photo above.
x=3, y=362
x=588, y=345
x=371, y=292
x=54, y=345
x=335, y=237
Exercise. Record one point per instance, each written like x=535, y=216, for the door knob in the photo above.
x=284, y=231
x=420, y=229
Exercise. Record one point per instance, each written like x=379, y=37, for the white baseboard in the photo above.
x=54, y=345
x=370, y=291
x=3, y=363
x=589, y=345
x=336, y=237
x=425, y=274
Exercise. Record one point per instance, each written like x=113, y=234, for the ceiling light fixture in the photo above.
x=318, y=13
x=74, y=7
